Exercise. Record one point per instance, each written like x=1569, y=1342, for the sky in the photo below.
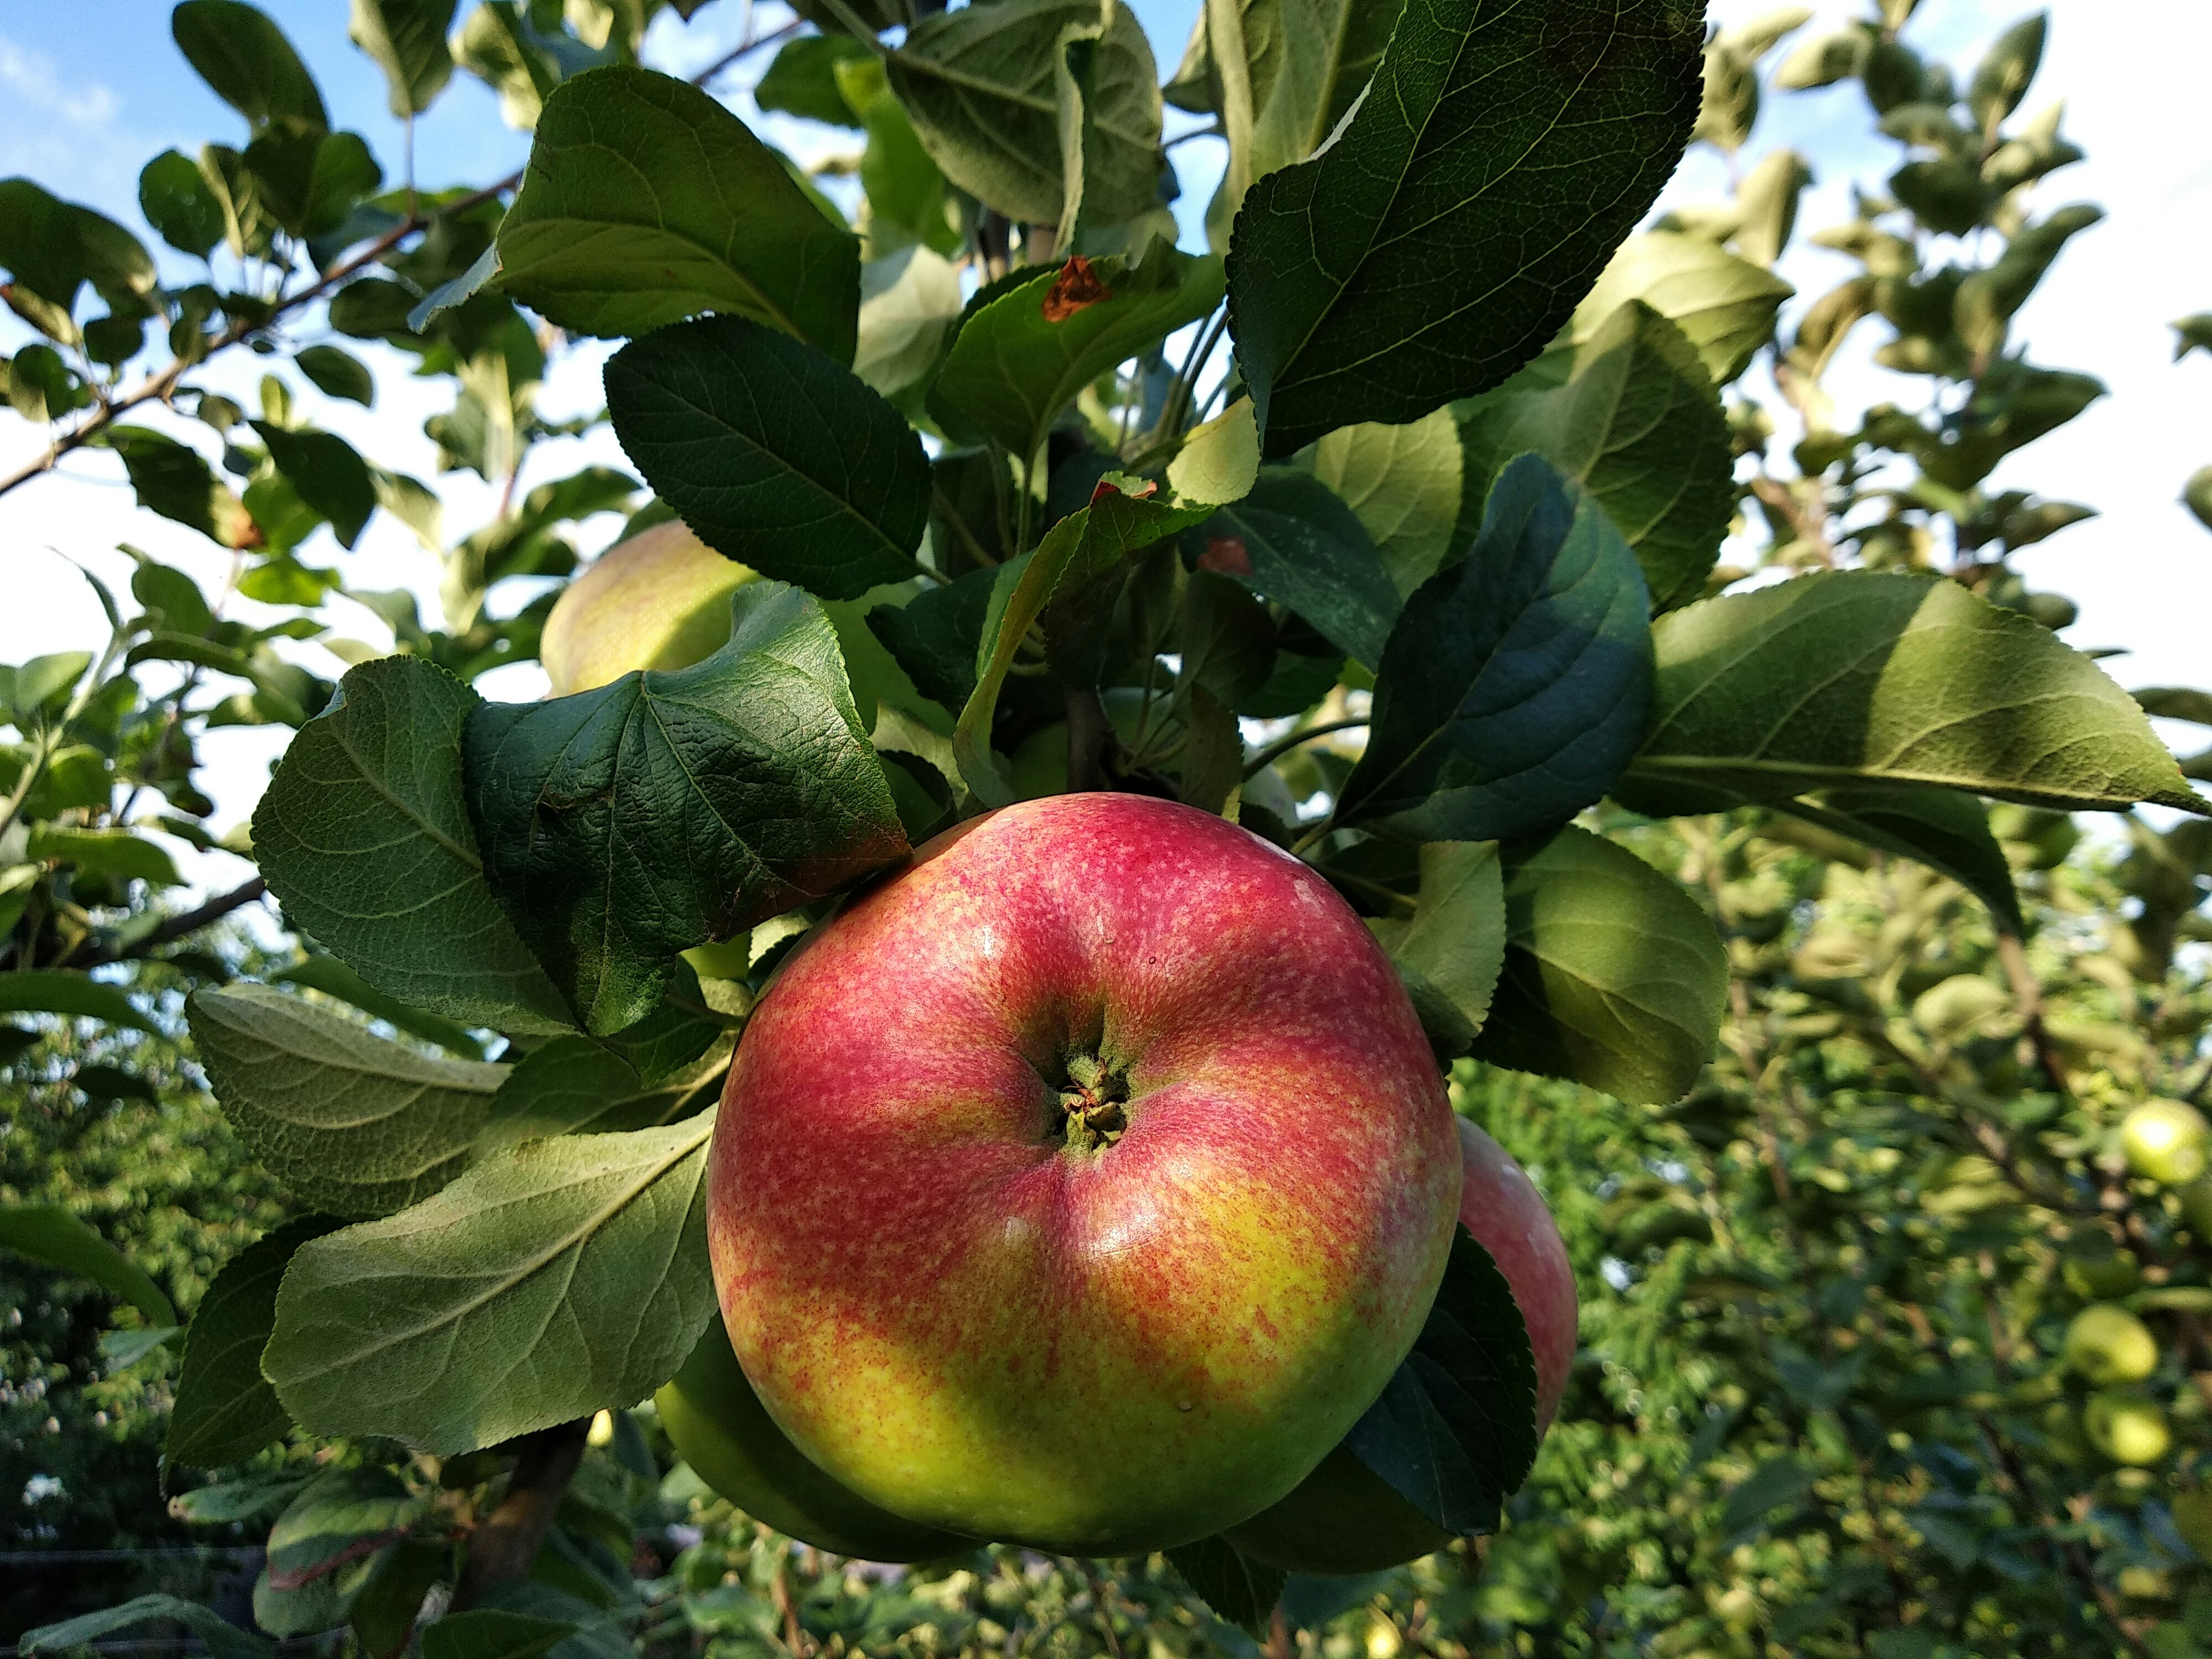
x=89, y=91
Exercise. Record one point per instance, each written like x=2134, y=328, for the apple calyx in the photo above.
x=1093, y=1100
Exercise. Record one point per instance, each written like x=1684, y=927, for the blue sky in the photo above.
x=89, y=91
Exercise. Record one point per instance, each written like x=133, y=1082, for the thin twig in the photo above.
x=1282, y=746
x=88, y=955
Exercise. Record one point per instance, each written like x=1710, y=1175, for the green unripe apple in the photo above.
x=2107, y=1344
x=719, y=1427
x=2127, y=1426
x=2166, y=1140
x=660, y=599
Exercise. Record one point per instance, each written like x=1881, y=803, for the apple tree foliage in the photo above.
x=1390, y=527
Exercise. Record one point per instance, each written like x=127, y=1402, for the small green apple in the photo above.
x=2166, y=1140
x=2107, y=1344
x=660, y=599
x=2127, y=1426
x=718, y=1426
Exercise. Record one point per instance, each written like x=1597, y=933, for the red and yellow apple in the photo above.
x=1082, y=1183
x=1343, y=1517
x=718, y=1426
x=660, y=599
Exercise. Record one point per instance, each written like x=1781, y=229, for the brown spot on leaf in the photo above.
x=1077, y=286
x=1226, y=554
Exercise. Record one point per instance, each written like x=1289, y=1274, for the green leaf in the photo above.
x=333, y=978
x=1219, y=458
x=179, y=203
x=407, y=38
x=365, y=837
x=171, y=479
x=1329, y=50
x=1308, y=551
x=109, y=851
x=1405, y=483
x=342, y=1516
x=624, y=824
x=2175, y=702
x=1455, y=1431
x=354, y=1122
x=2197, y=495
x=2001, y=78
x=383, y=1610
x=51, y=1235
x=1022, y=357
x=1947, y=832
x=1515, y=686
x=54, y=248
x=2192, y=333
x=645, y=201
x=1725, y=306
x=336, y=373
x=241, y=54
x=1427, y=253
x=802, y=80
x=58, y=991
x=225, y=1410
x=1240, y=1591
x=1863, y=678
x=488, y=1633
x=909, y=304
x=979, y=85
x=1613, y=977
x=905, y=189
x=937, y=635
x=328, y=474
x=563, y=1278
x=1639, y=425
x=571, y=1085
x=224, y=1639
x=774, y=455
x=1450, y=951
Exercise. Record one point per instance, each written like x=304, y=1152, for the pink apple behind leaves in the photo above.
x=1080, y=1185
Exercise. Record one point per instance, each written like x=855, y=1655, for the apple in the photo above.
x=1345, y=1518
x=1081, y=1183
x=717, y=1425
x=2107, y=1344
x=660, y=599
x=2165, y=1140
x=2126, y=1425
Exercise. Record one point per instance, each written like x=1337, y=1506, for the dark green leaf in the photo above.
x=243, y=55
x=1612, y=978
x=407, y=38
x=365, y=837
x=773, y=454
x=224, y=1639
x=646, y=202
x=1240, y=1591
x=1516, y=685
x=1947, y=832
x=179, y=203
x=1021, y=358
x=54, y=248
x=328, y=474
x=1777, y=1481
x=573, y=1086
x=1430, y=251
x=1857, y=676
x=2175, y=702
x=354, y=1122
x=115, y=853
x=802, y=80
x=936, y=636
x=58, y=991
x=578, y=1265
x=624, y=824
x=225, y=1410
x=383, y=1610
x=336, y=373
x=1450, y=950
x=1455, y=1431
x=52, y=1236
x=340, y=1515
x=2001, y=78
x=488, y=1633
x=1640, y=427
x=1305, y=549
x=980, y=85
x=371, y=307
x=333, y=978
x=171, y=479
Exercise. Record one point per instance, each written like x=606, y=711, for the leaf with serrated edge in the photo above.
x=1455, y=1431
x=364, y=837
x=1309, y=552
x=1514, y=685
x=1613, y=977
x=1405, y=483
x=571, y=1085
x=1947, y=831
x=224, y=1639
x=667, y=810
x=1470, y=199
x=563, y=1277
x=1455, y=943
x=353, y=1121
x=773, y=454
x=1240, y=1591
x=1865, y=677
x=645, y=201
x=225, y=1410
x=1724, y=305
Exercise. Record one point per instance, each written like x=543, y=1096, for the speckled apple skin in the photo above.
x=1097, y=1352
